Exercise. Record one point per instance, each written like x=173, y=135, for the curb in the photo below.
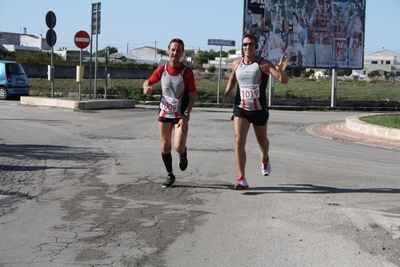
x=92, y=104
x=355, y=124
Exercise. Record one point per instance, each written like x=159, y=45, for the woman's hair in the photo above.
x=177, y=40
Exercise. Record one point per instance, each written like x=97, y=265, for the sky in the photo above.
x=129, y=24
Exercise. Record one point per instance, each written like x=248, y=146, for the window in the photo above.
x=387, y=62
x=374, y=62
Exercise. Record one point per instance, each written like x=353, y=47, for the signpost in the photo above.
x=51, y=39
x=220, y=43
x=96, y=22
x=82, y=40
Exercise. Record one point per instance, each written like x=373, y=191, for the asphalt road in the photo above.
x=85, y=190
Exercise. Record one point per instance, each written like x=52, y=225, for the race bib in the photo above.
x=250, y=91
x=169, y=104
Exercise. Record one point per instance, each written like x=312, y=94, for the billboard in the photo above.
x=319, y=33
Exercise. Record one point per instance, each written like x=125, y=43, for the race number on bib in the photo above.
x=169, y=104
x=250, y=91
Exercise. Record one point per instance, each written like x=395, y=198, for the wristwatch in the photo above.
x=186, y=115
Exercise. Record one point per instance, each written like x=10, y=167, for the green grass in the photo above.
x=387, y=120
x=207, y=85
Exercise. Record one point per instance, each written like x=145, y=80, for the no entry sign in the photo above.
x=82, y=39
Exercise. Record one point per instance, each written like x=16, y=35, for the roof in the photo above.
x=385, y=52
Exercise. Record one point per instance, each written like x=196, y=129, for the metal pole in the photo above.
x=52, y=73
x=80, y=82
x=219, y=74
x=95, y=65
x=105, y=73
x=334, y=86
x=91, y=60
x=271, y=90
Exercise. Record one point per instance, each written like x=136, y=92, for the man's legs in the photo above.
x=165, y=130
x=180, y=147
x=262, y=139
x=180, y=140
x=240, y=128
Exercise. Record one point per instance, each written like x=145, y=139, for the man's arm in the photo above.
x=231, y=83
x=279, y=71
x=192, y=101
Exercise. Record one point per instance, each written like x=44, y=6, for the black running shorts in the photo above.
x=258, y=118
x=170, y=120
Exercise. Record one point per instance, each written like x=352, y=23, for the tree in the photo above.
x=212, y=69
x=344, y=72
x=232, y=52
x=390, y=76
x=204, y=56
x=102, y=53
x=373, y=74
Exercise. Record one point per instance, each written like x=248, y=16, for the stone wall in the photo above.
x=69, y=72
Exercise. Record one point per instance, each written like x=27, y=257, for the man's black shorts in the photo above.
x=170, y=120
x=258, y=118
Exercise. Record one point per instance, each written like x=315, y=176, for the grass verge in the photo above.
x=386, y=120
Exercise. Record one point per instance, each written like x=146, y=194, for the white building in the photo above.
x=22, y=41
x=226, y=63
x=382, y=62
x=160, y=55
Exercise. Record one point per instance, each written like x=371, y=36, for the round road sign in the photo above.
x=51, y=37
x=51, y=19
x=82, y=39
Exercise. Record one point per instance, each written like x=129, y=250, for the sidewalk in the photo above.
x=355, y=131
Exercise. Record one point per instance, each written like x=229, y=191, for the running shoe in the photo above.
x=170, y=181
x=265, y=167
x=241, y=184
x=183, y=161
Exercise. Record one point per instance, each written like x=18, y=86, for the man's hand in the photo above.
x=224, y=100
x=183, y=124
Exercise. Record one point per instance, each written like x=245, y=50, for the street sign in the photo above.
x=221, y=42
x=51, y=37
x=82, y=39
x=96, y=18
x=51, y=19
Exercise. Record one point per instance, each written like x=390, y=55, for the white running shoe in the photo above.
x=241, y=184
x=265, y=167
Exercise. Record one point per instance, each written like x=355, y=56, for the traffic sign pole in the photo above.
x=51, y=39
x=82, y=40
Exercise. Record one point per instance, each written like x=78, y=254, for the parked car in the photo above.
x=13, y=80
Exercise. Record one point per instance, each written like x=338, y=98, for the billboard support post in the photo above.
x=271, y=90
x=334, y=87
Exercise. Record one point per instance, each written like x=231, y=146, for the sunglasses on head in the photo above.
x=248, y=44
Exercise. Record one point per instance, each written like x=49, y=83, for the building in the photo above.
x=382, y=62
x=160, y=55
x=71, y=54
x=226, y=63
x=22, y=41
